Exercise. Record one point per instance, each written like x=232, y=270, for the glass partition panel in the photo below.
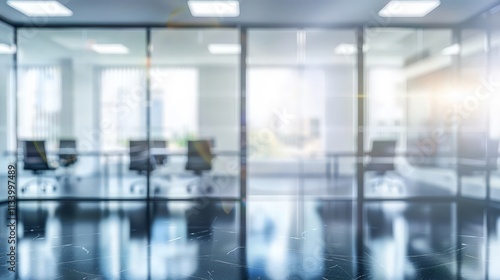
x=7, y=107
x=409, y=144
x=82, y=96
x=195, y=116
x=301, y=112
x=471, y=106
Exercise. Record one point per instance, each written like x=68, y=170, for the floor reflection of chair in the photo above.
x=199, y=160
x=34, y=221
x=199, y=220
x=35, y=160
x=381, y=161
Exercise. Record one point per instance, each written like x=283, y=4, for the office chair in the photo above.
x=139, y=160
x=199, y=160
x=160, y=159
x=35, y=159
x=472, y=153
x=68, y=155
x=381, y=160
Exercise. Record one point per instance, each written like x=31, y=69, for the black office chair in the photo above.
x=160, y=158
x=68, y=156
x=140, y=161
x=381, y=156
x=35, y=159
x=199, y=160
x=381, y=160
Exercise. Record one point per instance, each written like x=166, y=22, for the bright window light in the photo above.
x=109, y=48
x=408, y=8
x=214, y=8
x=41, y=8
x=347, y=49
x=451, y=50
x=7, y=49
x=224, y=48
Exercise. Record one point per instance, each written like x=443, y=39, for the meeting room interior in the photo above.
x=238, y=139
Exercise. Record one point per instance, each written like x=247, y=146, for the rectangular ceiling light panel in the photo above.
x=214, y=8
x=40, y=8
x=409, y=8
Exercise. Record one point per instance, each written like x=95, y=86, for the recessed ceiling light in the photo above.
x=347, y=49
x=224, y=48
x=41, y=8
x=7, y=49
x=214, y=8
x=451, y=50
x=109, y=48
x=408, y=8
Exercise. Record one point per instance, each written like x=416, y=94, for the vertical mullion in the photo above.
x=457, y=38
x=148, y=136
x=243, y=154
x=16, y=145
x=148, y=108
x=360, y=147
x=488, y=74
x=243, y=115
x=489, y=57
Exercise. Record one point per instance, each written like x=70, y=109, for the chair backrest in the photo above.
x=67, y=152
x=35, y=156
x=160, y=158
x=383, y=148
x=199, y=156
x=474, y=148
x=382, y=156
x=139, y=159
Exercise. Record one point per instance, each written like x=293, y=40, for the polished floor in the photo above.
x=264, y=238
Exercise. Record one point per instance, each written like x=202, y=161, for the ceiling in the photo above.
x=252, y=13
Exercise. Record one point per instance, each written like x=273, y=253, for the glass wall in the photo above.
x=409, y=84
x=7, y=105
x=300, y=100
x=195, y=97
x=82, y=94
x=428, y=130
x=471, y=111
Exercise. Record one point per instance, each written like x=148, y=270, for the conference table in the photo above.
x=120, y=155
x=332, y=158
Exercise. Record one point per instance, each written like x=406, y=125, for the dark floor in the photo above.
x=265, y=238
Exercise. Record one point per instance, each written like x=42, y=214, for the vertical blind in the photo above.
x=39, y=96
